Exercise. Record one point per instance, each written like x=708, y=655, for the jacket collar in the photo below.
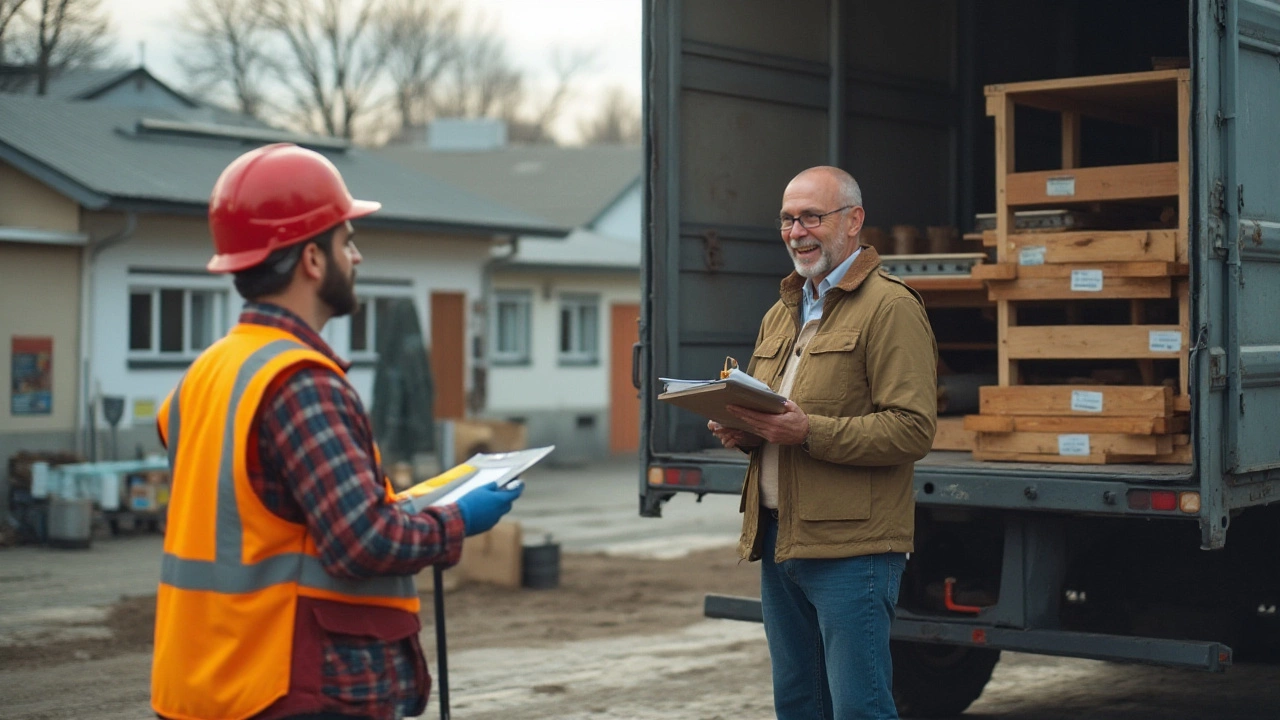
x=864, y=265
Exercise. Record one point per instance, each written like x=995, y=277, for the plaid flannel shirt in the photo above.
x=315, y=465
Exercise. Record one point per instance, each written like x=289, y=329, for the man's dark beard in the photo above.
x=338, y=292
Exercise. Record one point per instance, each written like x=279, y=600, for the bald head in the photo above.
x=847, y=190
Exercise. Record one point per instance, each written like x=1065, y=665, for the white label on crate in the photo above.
x=1164, y=341
x=1073, y=444
x=1086, y=401
x=1086, y=281
x=1060, y=186
x=1033, y=255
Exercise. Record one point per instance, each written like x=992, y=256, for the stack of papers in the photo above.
x=479, y=470
x=708, y=398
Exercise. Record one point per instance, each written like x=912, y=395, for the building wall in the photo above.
x=27, y=203
x=40, y=297
x=562, y=404
x=622, y=219
x=174, y=250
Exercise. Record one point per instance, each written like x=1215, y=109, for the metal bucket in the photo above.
x=70, y=522
x=540, y=566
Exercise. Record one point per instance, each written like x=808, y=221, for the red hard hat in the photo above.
x=273, y=197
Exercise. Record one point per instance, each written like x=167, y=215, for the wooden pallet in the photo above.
x=1079, y=424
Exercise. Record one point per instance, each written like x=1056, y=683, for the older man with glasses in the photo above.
x=828, y=501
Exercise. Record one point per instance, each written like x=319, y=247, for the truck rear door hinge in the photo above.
x=1220, y=15
x=1217, y=368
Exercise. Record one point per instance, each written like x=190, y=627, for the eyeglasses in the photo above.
x=807, y=219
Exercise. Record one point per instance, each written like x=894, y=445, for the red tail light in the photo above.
x=687, y=477
x=1164, y=500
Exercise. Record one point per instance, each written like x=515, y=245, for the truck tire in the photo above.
x=932, y=680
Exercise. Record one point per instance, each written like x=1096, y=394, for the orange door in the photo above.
x=448, y=353
x=624, y=399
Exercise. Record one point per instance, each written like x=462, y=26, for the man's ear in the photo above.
x=856, y=217
x=312, y=263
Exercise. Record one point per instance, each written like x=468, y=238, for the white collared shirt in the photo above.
x=810, y=307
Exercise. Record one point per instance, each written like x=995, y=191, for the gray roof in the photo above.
x=567, y=186
x=108, y=156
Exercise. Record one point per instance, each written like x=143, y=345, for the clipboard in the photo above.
x=709, y=398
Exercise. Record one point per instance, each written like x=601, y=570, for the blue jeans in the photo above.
x=827, y=624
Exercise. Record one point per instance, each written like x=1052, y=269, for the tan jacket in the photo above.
x=868, y=381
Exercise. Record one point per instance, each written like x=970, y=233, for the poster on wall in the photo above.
x=31, y=376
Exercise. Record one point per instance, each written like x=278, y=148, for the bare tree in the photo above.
x=616, y=123
x=420, y=38
x=228, y=52
x=330, y=66
x=8, y=12
x=53, y=35
x=481, y=81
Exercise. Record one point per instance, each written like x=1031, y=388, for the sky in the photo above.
x=608, y=28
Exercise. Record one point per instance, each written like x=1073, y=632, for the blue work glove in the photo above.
x=483, y=507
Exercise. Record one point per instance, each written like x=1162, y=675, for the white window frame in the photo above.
x=153, y=285
x=578, y=354
x=367, y=297
x=523, y=353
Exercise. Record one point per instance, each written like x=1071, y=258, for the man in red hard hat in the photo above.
x=286, y=588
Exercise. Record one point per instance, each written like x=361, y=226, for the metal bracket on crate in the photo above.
x=946, y=264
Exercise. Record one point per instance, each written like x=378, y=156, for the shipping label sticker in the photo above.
x=1033, y=255
x=1086, y=281
x=1164, y=341
x=1060, y=186
x=1073, y=445
x=1086, y=401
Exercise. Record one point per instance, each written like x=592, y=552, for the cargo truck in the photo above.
x=1170, y=562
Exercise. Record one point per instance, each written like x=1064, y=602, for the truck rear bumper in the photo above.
x=1211, y=656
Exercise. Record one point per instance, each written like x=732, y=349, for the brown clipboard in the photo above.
x=709, y=401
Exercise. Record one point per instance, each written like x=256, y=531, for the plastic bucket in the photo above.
x=540, y=566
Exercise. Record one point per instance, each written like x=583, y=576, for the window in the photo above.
x=174, y=322
x=364, y=323
x=511, y=327
x=579, y=322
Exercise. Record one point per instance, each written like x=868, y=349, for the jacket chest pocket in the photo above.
x=834, y=362
x=768, y=359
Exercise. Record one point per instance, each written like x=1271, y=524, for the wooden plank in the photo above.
x=1088, y=81
x=1078, y=424
x=1109, y=269
x=995, y=271
x=1115, y=401
x=1182, y=403
x=1184, y=165
x=1089, y=342
x=944, y=283
x=1101, y=245
x=1048, y=443
x=1070, y=139
x=1179, y=456
x=1092, y=459
x=1060, y=288
x=952, y=435
x=1095, y=184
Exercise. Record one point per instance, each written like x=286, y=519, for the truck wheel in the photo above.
x=932, y=680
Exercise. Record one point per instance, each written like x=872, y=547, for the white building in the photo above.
x=103, y=243
x=563, y=314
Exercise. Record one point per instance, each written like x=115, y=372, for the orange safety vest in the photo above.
x=233, y=571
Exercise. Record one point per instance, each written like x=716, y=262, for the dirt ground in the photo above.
x=621, y=638
x=598, y=597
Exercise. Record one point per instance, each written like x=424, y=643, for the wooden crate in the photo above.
x=1136, y=264
x=1079, y=424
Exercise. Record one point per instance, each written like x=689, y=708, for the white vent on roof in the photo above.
x=466, y=134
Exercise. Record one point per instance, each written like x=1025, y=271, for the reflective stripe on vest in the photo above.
x=227, y=573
